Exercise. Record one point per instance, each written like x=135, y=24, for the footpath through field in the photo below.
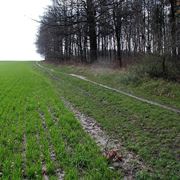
x=117, y=90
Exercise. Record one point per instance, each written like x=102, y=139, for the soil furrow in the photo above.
x=24, y=156
x=44, y=169
x=54, y=118
x=59, y=171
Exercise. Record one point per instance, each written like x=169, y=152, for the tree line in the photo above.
x=89, y=30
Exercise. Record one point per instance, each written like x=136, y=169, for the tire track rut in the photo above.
x=126, y=161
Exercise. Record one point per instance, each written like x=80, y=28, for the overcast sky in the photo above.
x=17, y=30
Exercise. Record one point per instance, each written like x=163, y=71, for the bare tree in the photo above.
x=92, y=30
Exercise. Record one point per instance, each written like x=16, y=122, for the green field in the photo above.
x=149, y=131
x=34, y=124
x=39, y=136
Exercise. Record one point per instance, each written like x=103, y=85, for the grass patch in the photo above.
x=149, y=131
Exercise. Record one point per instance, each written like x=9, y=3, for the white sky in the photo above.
x=17, y=30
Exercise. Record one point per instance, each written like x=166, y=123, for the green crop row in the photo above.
x=34, y=124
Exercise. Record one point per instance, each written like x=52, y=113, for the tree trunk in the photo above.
x=92, y=30
x=119, y=55
x=173, y=27
x=117, y=25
